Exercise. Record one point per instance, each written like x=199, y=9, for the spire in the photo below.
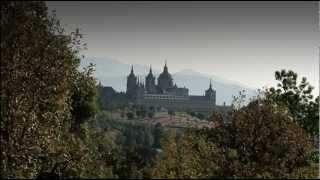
x=131, y=69
x=210, y=84
x=150, y=72
x=165, y=66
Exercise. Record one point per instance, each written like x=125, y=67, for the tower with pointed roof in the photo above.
x=165, y=81
x=145, y=92
x=150, y=83
x=131, y=84
x=210, y=94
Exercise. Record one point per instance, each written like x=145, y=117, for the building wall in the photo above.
x=167, y=95
x=176, y=102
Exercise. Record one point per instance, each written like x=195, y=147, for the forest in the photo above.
x=53, y=124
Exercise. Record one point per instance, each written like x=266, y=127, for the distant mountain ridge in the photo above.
x=111, y=72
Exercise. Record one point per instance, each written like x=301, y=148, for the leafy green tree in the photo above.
x=260, y=140
x=216, y=118
x=143, y=112
x=84, y=103
x=298, y=98
x=188, y=156
x=39, y=64
x=138, y=113
x=158, y=134
x=150, y=114
x=264, y=141
x=171, y=113
x=158, y=108
x=200, y=116
x=133, y=162
x=130, y=115
x=152, y=109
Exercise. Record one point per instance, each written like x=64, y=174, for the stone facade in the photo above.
x=166, y=94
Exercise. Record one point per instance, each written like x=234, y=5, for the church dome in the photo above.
x=165, y=80
x=165, y=74
x=150, y=75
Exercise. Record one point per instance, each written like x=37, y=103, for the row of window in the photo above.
x=165, y=97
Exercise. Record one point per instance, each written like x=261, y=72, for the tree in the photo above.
x=260, y=140
x=188, y=156
x=158, y=108
x=84, y=103
x=200, y=116
x=268, y=138
x=138, y=113
x=158, y=134
x=39, y=64
x=130, y=115
x=264, y=141
x=152, y=109
x=216, y=118
x=298, y=98
x=171, y=113
x=143, y=112
x=150, y=114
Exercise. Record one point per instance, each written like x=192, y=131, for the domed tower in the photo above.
x=150, y=83
x=165, y=81
x=210, y=94
x=131, y=84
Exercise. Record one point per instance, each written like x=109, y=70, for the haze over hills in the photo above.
x=114, y=73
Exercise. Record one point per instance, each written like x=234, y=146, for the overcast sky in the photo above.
x=242, y=41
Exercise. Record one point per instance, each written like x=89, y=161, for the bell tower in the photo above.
x=210, y=93
x=150, y=83
x=131, y=84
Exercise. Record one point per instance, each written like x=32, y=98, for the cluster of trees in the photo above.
x=50, y=125
x=139, y=112
x=271, y=137
x=261, y=141
x=109, y=99
x=44, y=97
x=198, y=115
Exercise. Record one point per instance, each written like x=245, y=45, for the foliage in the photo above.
x=130, y=115
x=39, y=83
x=271, y=143
x=150, y=114
x=84, y=103
x=133, y=145
x=187, y=156
x=298, y=98
x=44, y=95
x=158, y=135
x=261, y=140
x=109, y=99
x=141, y=112
x=200, y=115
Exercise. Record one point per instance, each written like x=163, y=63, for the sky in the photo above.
x=242, y=41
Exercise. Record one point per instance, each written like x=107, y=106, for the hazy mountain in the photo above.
x=113, y=73
x=111, y=67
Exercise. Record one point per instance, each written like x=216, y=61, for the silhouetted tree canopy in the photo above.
x=298, y=98
x=39, y=86
x=44, y=95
